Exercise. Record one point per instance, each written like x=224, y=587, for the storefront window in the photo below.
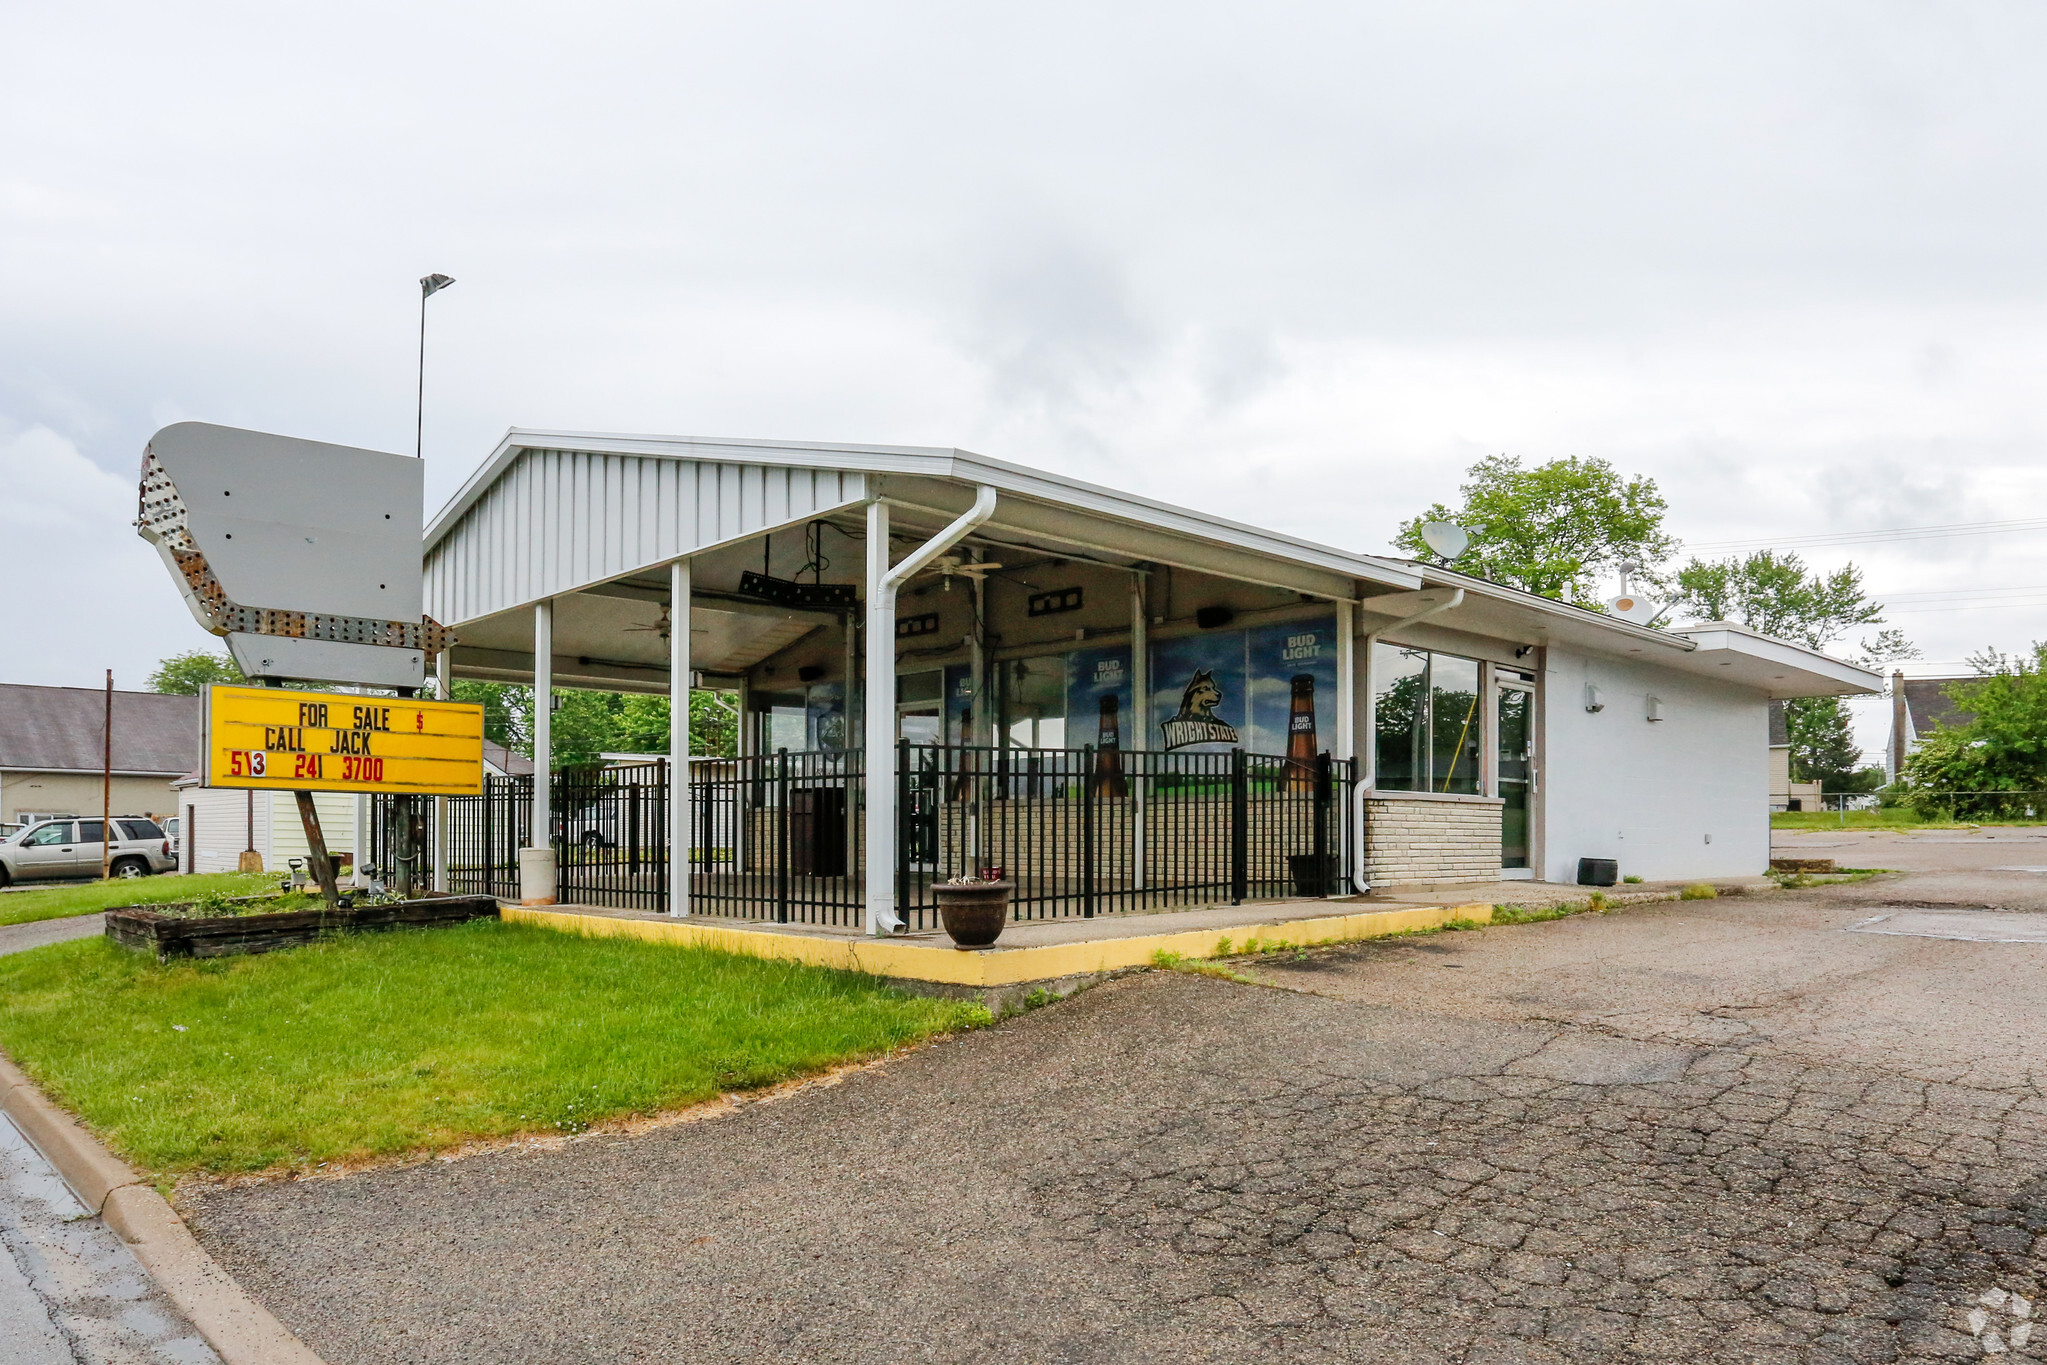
x=1400, y=691
x=1034, y=702
x=1454, y=724
x=1428, y=726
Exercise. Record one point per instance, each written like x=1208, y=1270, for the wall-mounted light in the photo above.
x=1593, y=701
x=1655, y=709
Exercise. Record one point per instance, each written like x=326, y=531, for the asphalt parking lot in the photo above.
x=1753, y=1129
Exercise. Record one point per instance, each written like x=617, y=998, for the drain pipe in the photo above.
x=880, y=738
x=1368, y=743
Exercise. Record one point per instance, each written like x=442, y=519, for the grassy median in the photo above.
x=56, y=900
x=376, y=1045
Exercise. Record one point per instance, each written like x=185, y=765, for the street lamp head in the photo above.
x=431, y=285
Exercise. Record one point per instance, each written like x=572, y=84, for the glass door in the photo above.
x=1516, y=729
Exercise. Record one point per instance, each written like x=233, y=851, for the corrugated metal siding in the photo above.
x=559, y=520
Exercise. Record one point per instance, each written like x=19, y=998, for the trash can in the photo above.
x=1310, y=879
x=1598, y=871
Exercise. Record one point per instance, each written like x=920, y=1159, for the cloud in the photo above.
x=87, y=593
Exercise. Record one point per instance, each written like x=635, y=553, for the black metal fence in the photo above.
x=781, y=836
x=1099, y=831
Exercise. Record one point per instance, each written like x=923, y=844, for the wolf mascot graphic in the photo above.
x=1195, y=722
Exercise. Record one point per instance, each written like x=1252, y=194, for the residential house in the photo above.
x=1918, y=707
x=54, y=747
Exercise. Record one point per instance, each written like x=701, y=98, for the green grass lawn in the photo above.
x=1890, y=817
x=55, y=900
x=381, y=1044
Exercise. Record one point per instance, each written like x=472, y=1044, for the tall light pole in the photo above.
x=429, y=286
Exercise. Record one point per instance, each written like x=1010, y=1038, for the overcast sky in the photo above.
x=1300, y=264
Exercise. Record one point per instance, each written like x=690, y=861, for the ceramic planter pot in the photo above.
x=973, y=912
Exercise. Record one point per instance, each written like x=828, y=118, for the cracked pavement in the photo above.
x=1726, y=1131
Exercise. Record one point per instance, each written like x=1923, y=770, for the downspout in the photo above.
x=1368, y=742
x=880, y=737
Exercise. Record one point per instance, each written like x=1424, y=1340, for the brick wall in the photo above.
x=1424, y=839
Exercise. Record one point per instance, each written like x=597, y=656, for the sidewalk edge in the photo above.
x=240, y=1330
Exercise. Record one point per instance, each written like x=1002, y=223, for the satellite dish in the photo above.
x=1446, y=538
x=1629, y=607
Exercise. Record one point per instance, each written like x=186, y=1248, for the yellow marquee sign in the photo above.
x=272, y=739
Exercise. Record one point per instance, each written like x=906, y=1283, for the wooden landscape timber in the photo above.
x=171, y=935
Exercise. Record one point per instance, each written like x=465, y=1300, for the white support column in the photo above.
x=1346, y=681
x=679, y=822
x=880, y=731
x=443, y=678
x=882, y=582
x=542, y=833
x=1140, y=717
x=854, y=729
x=1365, y=736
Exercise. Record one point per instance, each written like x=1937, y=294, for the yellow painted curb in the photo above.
x=999, y=966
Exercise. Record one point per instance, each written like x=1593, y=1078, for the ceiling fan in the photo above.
x=948, y=565
x=660, y=626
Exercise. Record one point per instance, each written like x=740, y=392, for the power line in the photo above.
x=1960, y=528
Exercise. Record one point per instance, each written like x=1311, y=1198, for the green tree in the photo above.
x=507, y=712
x=1774, y=593
x=190, y=673
x=1557, y=529
x=588, y=724
x=1996, y=764
x=1823, y=747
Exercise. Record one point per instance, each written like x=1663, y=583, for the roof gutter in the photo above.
x=917, y=559
x=883, y=914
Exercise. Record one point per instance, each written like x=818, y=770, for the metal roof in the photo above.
x=62, y=729
x=594, y=507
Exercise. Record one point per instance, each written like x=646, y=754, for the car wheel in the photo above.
x=6, y=877
x=591, y=839
x=131, y=867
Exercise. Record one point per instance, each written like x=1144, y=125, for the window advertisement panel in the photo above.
x=1098, y=698
x=1292, y=668
x=1199, y=701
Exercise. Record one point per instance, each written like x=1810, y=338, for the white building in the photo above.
x=1070, y=670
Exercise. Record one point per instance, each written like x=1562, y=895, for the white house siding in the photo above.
x=219, y=819
x=1680, y=798
x=559, y=520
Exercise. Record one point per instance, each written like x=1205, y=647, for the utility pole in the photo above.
x=107, y=787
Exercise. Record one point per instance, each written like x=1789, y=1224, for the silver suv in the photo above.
x=73, y=848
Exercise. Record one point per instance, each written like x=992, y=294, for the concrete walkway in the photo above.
x=16, y=938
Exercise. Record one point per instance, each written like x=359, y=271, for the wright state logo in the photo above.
x=1195, y=722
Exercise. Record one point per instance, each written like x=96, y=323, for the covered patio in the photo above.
x=1021, y=620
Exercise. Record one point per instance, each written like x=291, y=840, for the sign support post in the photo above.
x=316, y=849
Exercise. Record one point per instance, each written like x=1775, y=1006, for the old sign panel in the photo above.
x=274, y=739
x=305, y=556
